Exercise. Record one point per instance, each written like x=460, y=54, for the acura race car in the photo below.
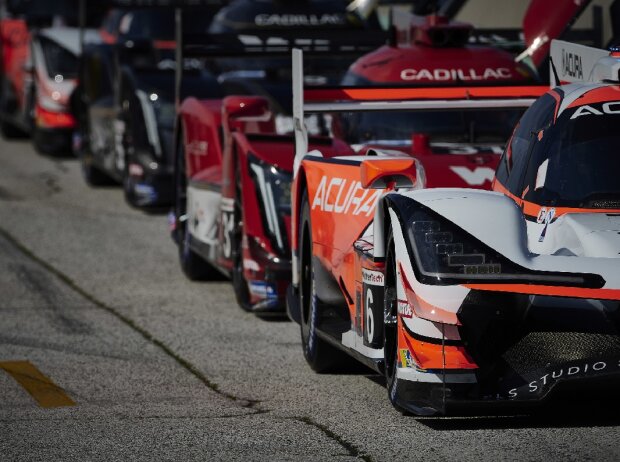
x=464, y=298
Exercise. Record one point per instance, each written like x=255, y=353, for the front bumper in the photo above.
x=530, y=350
x=53, y=140
x=149, y=184
x=268, y=278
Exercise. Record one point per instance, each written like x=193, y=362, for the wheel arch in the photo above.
x=301, y=186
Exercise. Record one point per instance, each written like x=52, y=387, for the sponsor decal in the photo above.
x=350, y=197
x=263, y=290
x=250, y=264
x=445, y=75
x=373, y=278
x=572, y=65
x=287, y=20
x=542, y=383
x=197, y=148
x=405, y=359
x=404, y=309
x=372, y=288
x=145, y=190
x=545, y=216
x=475, y=177
x=612, y=107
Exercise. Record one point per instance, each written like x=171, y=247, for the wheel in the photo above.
x=9, y=131
x=192, y=264
x=124, y=141
x=92, y=174
x=320, y=355
x=390, y=325
x=126, y=148
x=38, y=142
x=240, y=284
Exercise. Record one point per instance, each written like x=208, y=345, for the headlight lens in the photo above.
x=274, y=189
x=443, y=250
x=445, y=254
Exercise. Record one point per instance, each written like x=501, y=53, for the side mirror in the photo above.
x=246, y=109
x=392, y=172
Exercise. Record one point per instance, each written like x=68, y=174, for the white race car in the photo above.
x=503, y=298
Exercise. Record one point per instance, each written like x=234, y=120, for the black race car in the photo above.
x=127, y=101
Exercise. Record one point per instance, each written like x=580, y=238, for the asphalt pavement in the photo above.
x=107, y=352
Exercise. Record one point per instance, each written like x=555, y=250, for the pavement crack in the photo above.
x=187, y=365
x=352, y=449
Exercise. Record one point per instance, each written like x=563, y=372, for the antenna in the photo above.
x=301, y=133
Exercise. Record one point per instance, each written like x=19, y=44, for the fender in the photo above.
x=497, y=221
x=200, y=122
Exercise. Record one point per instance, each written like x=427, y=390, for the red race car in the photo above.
x=233, y=168
x=39, y=59
x=458, y=148
x=232, y=183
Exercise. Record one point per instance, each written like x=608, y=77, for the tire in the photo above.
x=92, y=174
x=320, y=355
x=128, y=186
x=240, y=284
x=192, y=264
x=9, y=131
x=390, y=326
x=127, y=146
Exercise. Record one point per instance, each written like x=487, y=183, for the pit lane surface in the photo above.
x=91, y=295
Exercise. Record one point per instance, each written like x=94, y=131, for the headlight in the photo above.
x=445, y=254
x=274, y=189
x=445, y=251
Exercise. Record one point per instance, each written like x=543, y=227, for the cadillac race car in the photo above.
x=464, y=297
x=457, y=147
x=235, y=157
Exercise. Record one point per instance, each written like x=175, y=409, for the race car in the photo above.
x=127, y=102
x=457, y=148
x=234, y=156
x=39, y=69
x=467, y=299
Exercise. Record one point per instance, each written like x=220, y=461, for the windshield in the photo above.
x=489, y=126
x=576, y=162
x=197, y=83
x=60, y=63
x=160, y=24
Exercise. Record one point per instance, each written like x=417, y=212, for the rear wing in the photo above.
x=571, y=62
x=280, y=43
x=351, y=99
x=272, y=43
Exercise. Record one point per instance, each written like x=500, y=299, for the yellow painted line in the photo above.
x=40, y=387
